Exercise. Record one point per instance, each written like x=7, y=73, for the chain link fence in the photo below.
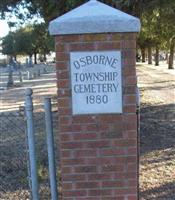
x=14, y=166
x=13, y=156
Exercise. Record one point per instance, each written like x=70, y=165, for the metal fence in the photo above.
x=13, y=156
x=14, y=161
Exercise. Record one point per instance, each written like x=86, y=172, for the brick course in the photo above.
x=98, y=153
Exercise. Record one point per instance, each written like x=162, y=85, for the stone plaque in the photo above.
x=96, y=82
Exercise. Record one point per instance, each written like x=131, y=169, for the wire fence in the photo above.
x=14, y=166
x=13, y=153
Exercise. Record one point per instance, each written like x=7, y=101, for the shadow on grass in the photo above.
x=164, y=192
x=157, y=127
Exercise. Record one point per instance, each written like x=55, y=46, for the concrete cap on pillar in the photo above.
x=94, y=17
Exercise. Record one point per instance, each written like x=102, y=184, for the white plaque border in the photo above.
x=97, y=113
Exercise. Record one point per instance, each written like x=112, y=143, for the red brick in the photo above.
x=94, y=37
x=132, y=167
x=65, y=137
x=130, y=134
x=131, y=151
x=98, y=151
x=97, y=144
x=60, y=47
x=89, y=198
x=81, y=46
x=86, y=169
x=133, y=197
x=129, y=54
x=63, y=83
x=130, y=126
x=66, y=170
x=126, y=143
x=129, y=109
x=66, y=154
x=83, y=119
x=129, y=99
x=129, y=71
x=129, y=44
x=132, y=183
x=129, y=36
x=112, y=152
x=116, y=36
x=74, y=193
x=73, y=161
x=71, y=128
x=113, y=168
x=64, y=120
x=103, y=126
x=63, y=92
x=61, y=56
x=86, y=185
x=99, y=192
x=130, y=117
x=130, y=80
x=113, y=184
x=108, y=45
x=64, y=102
x=61, y=65
x=104, y=160
x=67, y=186
x=126, y=191
x=64, y=111
x=73, y=177
x=85, y=136
x=58, y=39
x=85, y=153
x=115, y=197
x=91, y=127
x=99, y=176
x=129, y=90
x=109, y=118
x=111, y=134
x=129, y=61
x=71, y=145
x=72, y=38
x=117, y=127
x=62, y=74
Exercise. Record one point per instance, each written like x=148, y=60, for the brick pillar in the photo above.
x=98, y=152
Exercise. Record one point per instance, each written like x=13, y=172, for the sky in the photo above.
x=4, y=29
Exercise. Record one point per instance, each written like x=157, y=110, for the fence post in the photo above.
x=31, y=143
x=50, y=148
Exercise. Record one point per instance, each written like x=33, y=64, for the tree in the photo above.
x=8, y=45
x=43, y=41
x=46, y=9
x=168, y=23
x=30, y=40
x=157, y=29
x=154, y=13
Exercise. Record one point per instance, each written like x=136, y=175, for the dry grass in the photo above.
x=157, y=161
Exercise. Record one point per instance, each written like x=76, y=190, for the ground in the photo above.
x=157, y=159
x=157, y=141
